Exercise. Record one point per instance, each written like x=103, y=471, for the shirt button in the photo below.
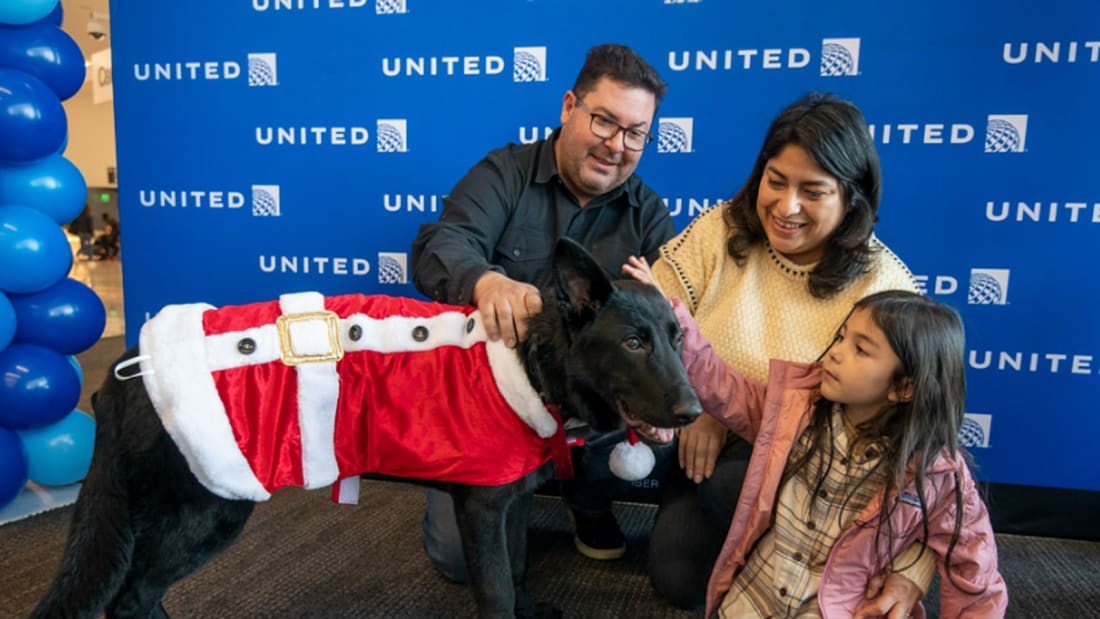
x=798, y=557
x=516, y=252
x=782, y=592
x=420, y=333
x=810, y=525
x=823, y=494
x=844, y=461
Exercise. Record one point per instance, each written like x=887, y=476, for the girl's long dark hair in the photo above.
x=833, y=132
x=928, y=338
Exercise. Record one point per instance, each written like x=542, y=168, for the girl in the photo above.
x=855, y=459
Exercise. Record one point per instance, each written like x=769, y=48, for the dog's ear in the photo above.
x=581, y=283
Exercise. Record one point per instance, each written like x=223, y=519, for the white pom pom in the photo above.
x=631, y=462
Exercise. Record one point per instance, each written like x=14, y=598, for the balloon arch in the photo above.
x=45, y=316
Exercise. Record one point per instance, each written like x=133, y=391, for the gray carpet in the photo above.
x=303, y=556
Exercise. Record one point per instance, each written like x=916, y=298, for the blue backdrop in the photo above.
x=269, y=146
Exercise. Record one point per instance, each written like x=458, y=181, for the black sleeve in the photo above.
x=657, y=225
x=448, y=256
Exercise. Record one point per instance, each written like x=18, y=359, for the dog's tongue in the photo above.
x=664, y=434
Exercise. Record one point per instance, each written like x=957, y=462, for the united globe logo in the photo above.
x=839, y=57
x=529, y=64
x=1006, y=133
x=390, y=7
x=393, y=268
x=988, y=287
x=265, y=200
x=974, y=431
x=391, y=135
x=262, y=70
x=674, y=135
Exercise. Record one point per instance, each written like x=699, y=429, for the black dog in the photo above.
x=605, y=352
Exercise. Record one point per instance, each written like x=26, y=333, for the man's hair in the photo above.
x=619, y=63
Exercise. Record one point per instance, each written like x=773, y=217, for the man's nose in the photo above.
x=617, y=142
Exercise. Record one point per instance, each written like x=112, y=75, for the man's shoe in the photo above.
x=598, y=537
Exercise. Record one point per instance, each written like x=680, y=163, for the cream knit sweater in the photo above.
x=763, y=309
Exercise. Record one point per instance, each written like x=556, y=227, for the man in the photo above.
x=493, y=244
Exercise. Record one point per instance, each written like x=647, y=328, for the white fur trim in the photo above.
x=183, y=393
x=318, y=391
x=512, y=381
x=631, y=462
x=395, y=333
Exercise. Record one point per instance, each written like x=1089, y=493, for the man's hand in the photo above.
x=700, y=442
x=892, y=596
x=505, y=305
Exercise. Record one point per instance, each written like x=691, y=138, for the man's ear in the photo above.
x=568, y=102
x=901, y=391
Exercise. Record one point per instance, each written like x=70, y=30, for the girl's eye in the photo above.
x=859, y=350
x=815, y=195
x=775, y=184
x=633, y=342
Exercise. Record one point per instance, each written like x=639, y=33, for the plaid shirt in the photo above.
x=783, y=573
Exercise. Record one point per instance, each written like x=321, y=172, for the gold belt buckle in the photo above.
x=332, y=328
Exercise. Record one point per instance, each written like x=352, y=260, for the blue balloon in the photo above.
x=13, y=466
x=25, y=11
x=52, y=185
x=7, y=321
x=60, y=453
x=32, y=120
x=38, y=386
x=73, y=361
x=46, y=52
x=68, y=317
x=34, y=242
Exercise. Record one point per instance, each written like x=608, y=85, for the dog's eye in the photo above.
x=633, y=342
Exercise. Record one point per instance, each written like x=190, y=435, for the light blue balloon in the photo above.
x=52, y=185
x=17, y=12
x=13, y=466
x=32, y=240
x=46, y=52
x=60, y=453
x=7, y=321
x=56, y=16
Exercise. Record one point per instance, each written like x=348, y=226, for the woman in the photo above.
x=770, y=274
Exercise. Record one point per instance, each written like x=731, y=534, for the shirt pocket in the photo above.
x=524, y=251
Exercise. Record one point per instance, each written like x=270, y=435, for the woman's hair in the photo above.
x=833, y=132
x=927, y=337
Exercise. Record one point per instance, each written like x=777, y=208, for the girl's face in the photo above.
x=859, y=368
x=799, y=204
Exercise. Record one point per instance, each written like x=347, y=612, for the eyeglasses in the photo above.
x=605, y=128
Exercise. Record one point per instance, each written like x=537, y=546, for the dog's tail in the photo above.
x=100, y=545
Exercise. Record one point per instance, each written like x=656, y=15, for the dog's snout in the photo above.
x=686, y=412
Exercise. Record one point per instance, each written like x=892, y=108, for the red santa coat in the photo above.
x=307, y=390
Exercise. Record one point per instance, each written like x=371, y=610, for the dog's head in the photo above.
x=620, y=350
